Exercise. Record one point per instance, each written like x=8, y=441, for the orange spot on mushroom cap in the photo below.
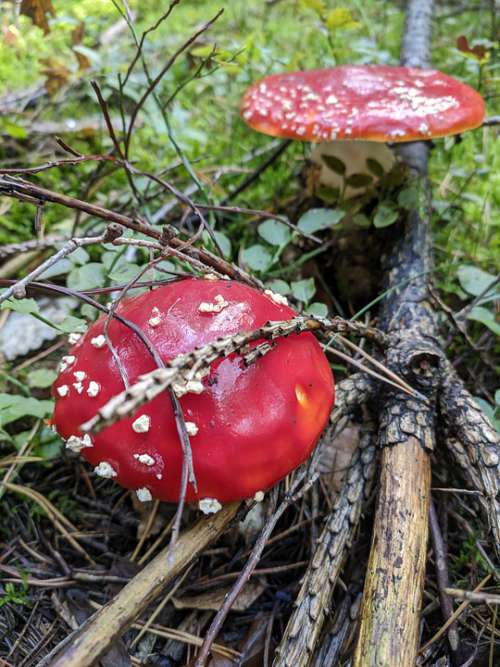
x=312, y=409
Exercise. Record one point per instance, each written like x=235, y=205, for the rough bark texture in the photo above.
x=313, y=601
x=390, y=621
x=390, y=615
x=475, y=446
x=340, y=631
x=352, y=393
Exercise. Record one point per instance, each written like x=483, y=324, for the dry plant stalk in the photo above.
x=390, y=622
x=84, y=647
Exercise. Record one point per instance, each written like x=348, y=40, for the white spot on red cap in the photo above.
x=80, y=375
x=93, y=389
x=105, y=469
x=76, y=444
x=63, y=390
x=155, y=318
x=144, y=495
x=191, y=428
x=66, y=361
x=73, y=338
x=209, y=505
x=219, y=304
x=277, y=298
x=142, y=424
x=98, y=341
x=145, y=459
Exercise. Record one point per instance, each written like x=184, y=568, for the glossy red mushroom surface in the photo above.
x=368, y=102
x=249, y=427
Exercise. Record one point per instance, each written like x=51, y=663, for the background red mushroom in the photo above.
x=248, y=425
x=372, y=104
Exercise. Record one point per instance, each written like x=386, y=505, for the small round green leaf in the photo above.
x=274, y=232
x=386, y=215
x=257, y=257
x=319, y=218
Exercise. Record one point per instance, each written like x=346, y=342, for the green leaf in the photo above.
x=489, y=410
x=279, y=286
x=475, y=281
x=386, y=215
x=274, y=232
x=318, y=309
x=486, y=317
x=359, y=180
x=319, y=218
x=341, y=18
x=408, y=198
x=14, y=130
x=224, y=242
x=80, y=256
x=361, y=220
x=41, y=378
x=25, y=306
x=14, y=407
x=89, y=312
x=328, y=195
x=257, y=257
x=71, y=324
x=123, y=272
x=58, y=269
x=375, y=167
x=334, y=163
x=303, y=290
x=87, y=277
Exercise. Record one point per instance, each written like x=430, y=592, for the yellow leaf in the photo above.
x=341, y=18
x=316, y=5
x=208, y=50
x=37, y=11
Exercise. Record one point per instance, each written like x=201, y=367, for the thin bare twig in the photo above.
x=161, y=74
x=251, y=564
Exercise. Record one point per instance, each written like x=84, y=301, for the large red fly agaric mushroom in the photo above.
x=249, y=425
x=372, y=103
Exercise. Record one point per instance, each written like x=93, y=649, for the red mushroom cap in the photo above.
x=369, y=102
x=249, y=426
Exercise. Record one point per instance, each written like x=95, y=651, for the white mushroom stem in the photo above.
x=354, y=155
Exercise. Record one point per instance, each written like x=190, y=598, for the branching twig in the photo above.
x=291, y=497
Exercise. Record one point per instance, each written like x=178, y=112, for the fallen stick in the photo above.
x=392, y=597
x=85, y=646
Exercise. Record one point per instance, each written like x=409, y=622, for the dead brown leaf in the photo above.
x=478, y=52
x=336, y=456
x=37, y=10
x=212, y=600
x=57, y=74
